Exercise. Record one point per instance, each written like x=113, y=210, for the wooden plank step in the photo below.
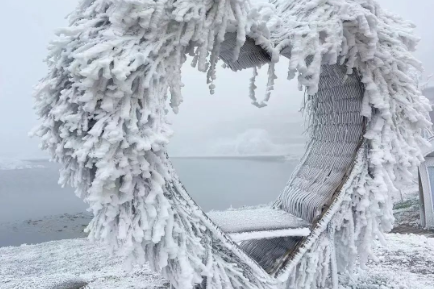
x=259, y=223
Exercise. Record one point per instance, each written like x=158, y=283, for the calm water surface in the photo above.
x=215, y=184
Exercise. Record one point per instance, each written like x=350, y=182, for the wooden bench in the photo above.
x=259, y=223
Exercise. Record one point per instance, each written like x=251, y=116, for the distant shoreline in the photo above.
x=242, y=157
x=246, y=157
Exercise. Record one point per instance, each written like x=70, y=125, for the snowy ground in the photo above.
x=406, y=263
x=48, y=265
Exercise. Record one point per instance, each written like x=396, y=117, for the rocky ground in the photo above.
x=407, y=214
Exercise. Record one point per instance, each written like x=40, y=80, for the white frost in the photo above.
x=51, y=264
x=103, y=117
x=406, y=263
x=257, y=235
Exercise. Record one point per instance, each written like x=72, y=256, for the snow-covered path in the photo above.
x=406, y=263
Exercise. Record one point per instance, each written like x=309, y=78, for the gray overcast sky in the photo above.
x=27, y=26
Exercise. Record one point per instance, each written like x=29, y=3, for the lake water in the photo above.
x=215, y=184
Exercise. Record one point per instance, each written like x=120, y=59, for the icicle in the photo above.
x=252, y=87
x=270, y=85
x=211, y=74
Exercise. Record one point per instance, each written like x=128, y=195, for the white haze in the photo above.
x=204, y=121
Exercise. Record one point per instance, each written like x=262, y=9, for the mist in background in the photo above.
x=221, y=124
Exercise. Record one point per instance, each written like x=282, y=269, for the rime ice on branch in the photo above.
x=103, y=117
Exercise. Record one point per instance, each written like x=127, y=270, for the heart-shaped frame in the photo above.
x=103, y=111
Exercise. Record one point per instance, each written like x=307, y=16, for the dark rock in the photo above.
x=72, y=284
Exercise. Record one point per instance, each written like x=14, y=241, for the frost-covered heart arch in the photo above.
x=104, y=119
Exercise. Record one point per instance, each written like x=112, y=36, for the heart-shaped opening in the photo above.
x=269, y=233
x=104, y=118
x=230, y=154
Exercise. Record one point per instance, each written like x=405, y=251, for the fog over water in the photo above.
x=27, y=26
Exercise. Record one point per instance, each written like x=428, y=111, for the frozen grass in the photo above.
x=406, y=263
x=68, y=262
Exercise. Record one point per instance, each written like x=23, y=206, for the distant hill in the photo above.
x=276, y=134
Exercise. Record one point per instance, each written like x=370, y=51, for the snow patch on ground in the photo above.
x=13, y=164
x=51, y=264
x=406, y=263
